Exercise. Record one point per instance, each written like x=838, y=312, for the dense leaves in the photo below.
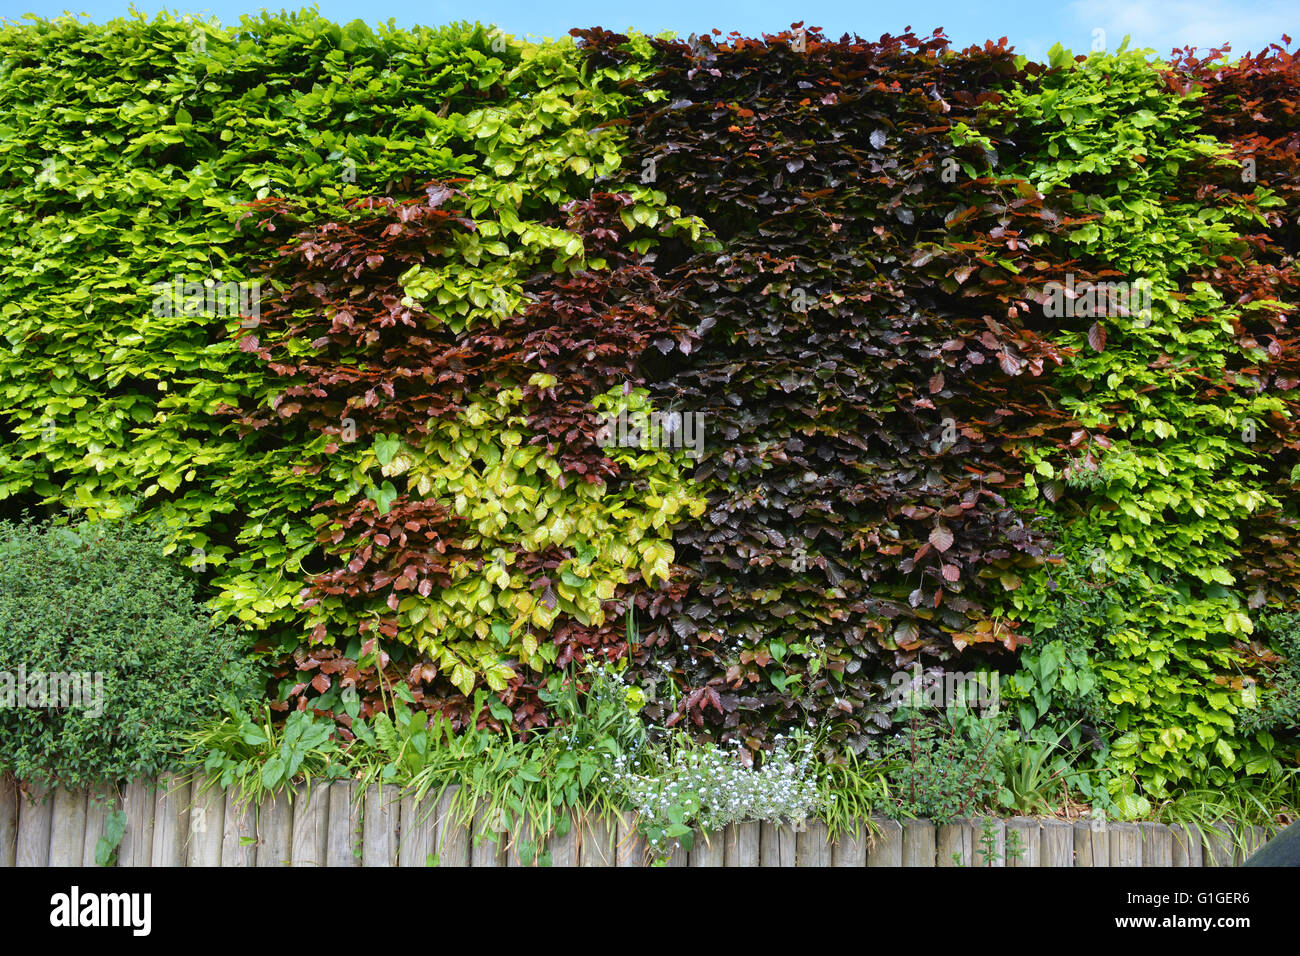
x=106, y=656
x=864, y=366
x=871, y=269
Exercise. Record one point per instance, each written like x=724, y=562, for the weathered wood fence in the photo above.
x=173, y=822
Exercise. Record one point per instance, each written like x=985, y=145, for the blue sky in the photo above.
x=1032, y=25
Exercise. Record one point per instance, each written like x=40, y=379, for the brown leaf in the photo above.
x=941, y=538
x=1097, y=337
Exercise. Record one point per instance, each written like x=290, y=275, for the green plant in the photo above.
x=119, y=659
x=684, y=786
x=254, y=754
x=1273, y=705
x=534, y=785
x=943, y=767
x=394, y=474
x=106, y=846
x=1057, y=680
x=850, y=789
x=1163, y=504
x=1035, y=768
x=1272, y=801
x=1012, y=848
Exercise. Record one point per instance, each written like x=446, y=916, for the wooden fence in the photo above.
x=178, y=823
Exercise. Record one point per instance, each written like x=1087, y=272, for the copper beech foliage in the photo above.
x=869, y=363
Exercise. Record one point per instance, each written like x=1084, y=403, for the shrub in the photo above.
x=945, y=768
x=99, y=610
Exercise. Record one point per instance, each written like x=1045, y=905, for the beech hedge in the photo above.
x=970, y=338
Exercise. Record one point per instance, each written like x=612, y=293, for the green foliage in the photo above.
x=1268, y=802
x=106, y=846
x=943, y=768
x=102, y=602
x=535, y=783
x=256, y=757
x=1274, y=707
x=166, y=134
x=1160, y=503
x=538, y=785
x=683, y=787
x=391, y=470
x=1036, y=769
x=851, y=788
x=1057, y=683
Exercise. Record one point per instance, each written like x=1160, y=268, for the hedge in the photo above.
x=439, y=259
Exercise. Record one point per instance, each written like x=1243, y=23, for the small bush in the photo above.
x=701, y=786
x=112, y=655
x=945, y=768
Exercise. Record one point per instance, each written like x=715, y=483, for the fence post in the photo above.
x=488, y=843
x=776, y=845
x=275, y=829
x=207, y=822
x=953, y=845
x=311, y=814
x=887, y=847
x=170, y=821
x=1187, y=848
x=100, y=804
x=136, y=848
x=596, y=840
x=708, y=849
x=851, y=847
x=68, y=827
x=812, y=845
x=1219, y=850
x=1125, y=844
x=918, y=843
x=1056, y=843
x=564, y=849
x=379, y=839
x=631, y=847
x=741, y=844
x=1157, y=844
x=1252, y=839
x=418, y=831
x=1027, y=832
x=343, y=826
x=1091, y=843
x=682, y=857
x=8, y=820
x=448, y=835
x=239, y=831
x=34, y=812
